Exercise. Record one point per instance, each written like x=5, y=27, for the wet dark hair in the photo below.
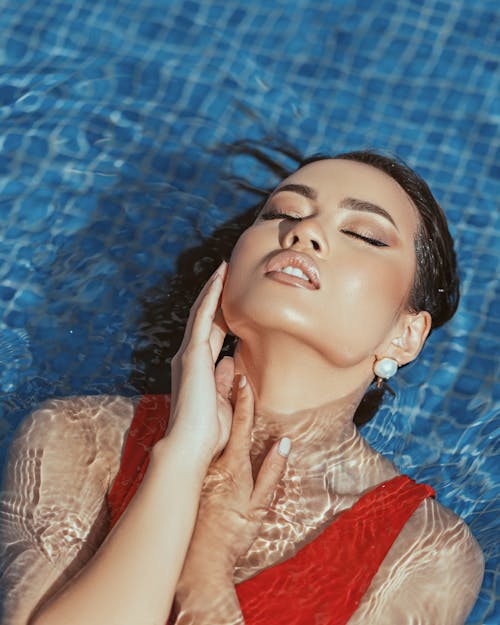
x=166, y=308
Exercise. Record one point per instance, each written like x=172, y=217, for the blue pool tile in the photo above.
x=6, y=293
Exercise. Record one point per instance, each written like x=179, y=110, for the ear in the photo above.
x=415, y=328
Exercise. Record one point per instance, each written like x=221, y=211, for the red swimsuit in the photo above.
x=325, y=581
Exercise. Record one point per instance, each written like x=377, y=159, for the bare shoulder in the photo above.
x=432, y=573
x=53, y=512
x=93, y=427
x=437, y=530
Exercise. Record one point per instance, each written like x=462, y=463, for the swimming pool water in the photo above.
x=110, y=113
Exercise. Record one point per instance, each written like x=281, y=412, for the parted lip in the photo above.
x=291, y=258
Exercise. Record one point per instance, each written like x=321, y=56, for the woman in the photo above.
x=340, y=278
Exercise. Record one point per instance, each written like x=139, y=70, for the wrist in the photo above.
x=206, y=597
x=189, y=460
x=204, y=569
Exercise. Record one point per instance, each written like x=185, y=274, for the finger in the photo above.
x=202, y=312
x=270, y=473
x=220, y=271
x=238, y=446
x=205, y=314
x=224, y=377
x=218, y=334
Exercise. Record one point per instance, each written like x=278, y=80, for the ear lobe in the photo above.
x=408, y=345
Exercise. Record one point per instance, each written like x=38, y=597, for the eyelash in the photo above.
x=369, y=240
x=277, y=215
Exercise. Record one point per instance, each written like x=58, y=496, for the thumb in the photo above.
x=224, y=375
x=270, y=473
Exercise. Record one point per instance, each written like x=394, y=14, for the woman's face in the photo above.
x=347, y=231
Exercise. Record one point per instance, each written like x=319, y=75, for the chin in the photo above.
x=268, y=325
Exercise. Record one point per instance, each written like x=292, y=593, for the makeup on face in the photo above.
x=380, y=231
x=328, y=263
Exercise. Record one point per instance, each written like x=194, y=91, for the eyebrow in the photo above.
x=301, y=189
x=348, y=202
x=368, y=207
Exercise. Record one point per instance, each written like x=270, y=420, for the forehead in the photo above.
x=336, y=179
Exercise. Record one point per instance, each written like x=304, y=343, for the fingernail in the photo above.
x=243, y=381
x=219, y=271
x=284, y=447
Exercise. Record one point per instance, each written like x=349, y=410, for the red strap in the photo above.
x=326, y=580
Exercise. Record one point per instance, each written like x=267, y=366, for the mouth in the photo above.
x=294, y=268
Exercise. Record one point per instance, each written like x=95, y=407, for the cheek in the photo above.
x=364, y=303
x=378, y=287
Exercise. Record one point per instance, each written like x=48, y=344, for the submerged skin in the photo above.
x=431, y=574
x=52, y=507
x=308, y=356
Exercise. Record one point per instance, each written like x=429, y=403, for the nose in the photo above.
x=305, y=234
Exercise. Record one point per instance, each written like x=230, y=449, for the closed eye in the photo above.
x=273, y=214
x=369, y=240
x=277, y=215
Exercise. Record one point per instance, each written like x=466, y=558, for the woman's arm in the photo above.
x=52, y=504
x=232, y=508
x=132, y=576
x=131, y=579
x=432, y=574
x=53, y=517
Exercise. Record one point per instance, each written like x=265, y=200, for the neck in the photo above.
x=306, y=404
x=286, y=376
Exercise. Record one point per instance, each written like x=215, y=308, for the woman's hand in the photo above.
x=201, y=410
x=232, y=508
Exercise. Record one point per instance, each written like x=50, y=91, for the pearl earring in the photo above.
x=384, y=369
